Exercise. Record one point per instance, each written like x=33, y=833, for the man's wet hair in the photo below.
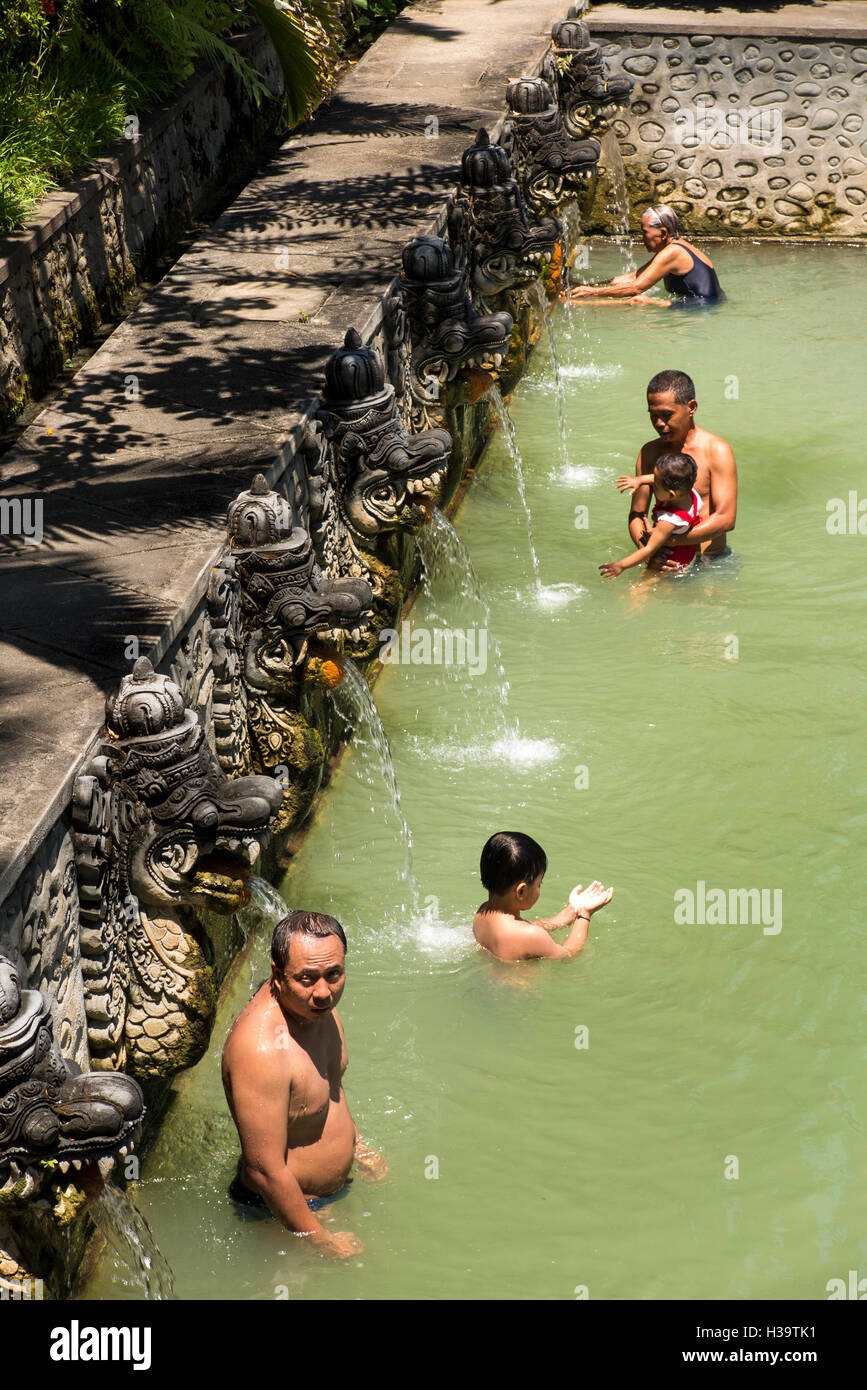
x=682, y=385
x=310, y=924
x=509, y=858
x=676, y=472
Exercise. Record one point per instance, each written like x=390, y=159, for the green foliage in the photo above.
x=72, y=71
x=371, y=17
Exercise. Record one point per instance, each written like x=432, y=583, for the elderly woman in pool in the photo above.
x=687, y=272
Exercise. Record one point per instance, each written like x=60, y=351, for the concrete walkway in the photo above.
x=204, y=385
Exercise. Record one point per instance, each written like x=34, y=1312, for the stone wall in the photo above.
x=745, y=135
x=87, y=243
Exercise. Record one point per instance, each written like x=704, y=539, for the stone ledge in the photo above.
x=846, y=22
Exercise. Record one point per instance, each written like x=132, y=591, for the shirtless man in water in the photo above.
x=283, y=1064
x=672, y=405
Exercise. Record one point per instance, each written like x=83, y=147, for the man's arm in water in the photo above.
x=370, y=1160
x=260, y=1101
x=563, y=919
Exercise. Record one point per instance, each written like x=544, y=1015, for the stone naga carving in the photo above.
x=588, y=98
x=277, y=629
x=54, y=1118
x=490, y=230
x=553, y=168
x=371, y=484
x=432, y=318
x=442, y=354
x=160, y=833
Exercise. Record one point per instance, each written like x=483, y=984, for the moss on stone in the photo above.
x=14, y=400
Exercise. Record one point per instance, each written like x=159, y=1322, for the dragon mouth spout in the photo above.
x=221, y=881
x=54, y=1118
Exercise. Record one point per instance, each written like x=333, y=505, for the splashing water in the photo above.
x=354, y=703
x=511, y=748
x=124, y=1228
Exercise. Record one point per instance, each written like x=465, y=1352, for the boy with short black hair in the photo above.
x=512, y=868
x=677, y=511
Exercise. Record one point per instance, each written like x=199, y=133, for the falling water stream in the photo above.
x=544, y=595
x=545, y=323
x=371, y=754
x=614, y=164
x=124, y=1228
x=511, y=439
x=447, y=564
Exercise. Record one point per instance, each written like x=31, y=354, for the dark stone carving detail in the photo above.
x=370, y=482
x=437, y=323
x=442, y=354
x=490, y=230
x=278, y=629
x=160, y=832
x=553, y=168
x=53, y=1117
x=588, y=98
x=49, y=1109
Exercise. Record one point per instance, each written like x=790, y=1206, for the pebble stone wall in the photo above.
x=746, y=135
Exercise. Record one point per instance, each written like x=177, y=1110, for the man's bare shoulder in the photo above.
x=259, y=1033
x=713, y=446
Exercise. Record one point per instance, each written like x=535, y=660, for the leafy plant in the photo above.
x=71, y=71
x=372, y=16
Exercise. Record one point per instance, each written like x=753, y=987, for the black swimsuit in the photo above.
x=698, y=286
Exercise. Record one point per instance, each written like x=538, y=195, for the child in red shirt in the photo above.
x=677, y=510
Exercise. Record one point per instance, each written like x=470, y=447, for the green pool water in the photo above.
x=736, y=763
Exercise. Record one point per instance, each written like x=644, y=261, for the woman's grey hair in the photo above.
x=663, y=216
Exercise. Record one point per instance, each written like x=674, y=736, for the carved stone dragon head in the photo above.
x=279, y=626
x=160, y=833
x=56, y=1122
x=489, y=227
x=283, y=590
x=387, y=480
x=588, y=98
x=553, y=168
x=189, y=834
x=433, y=316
